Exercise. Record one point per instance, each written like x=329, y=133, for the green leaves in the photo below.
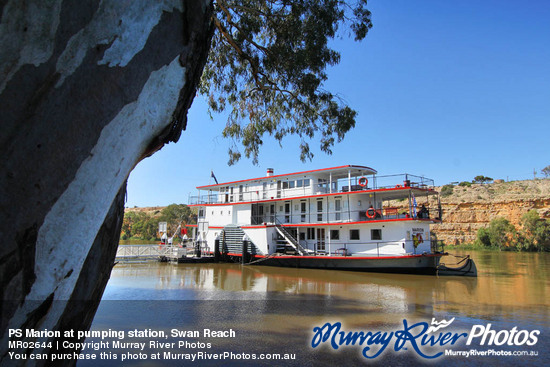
x=267, y=66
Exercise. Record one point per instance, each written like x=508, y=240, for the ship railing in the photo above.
x=341, y=185
x=143, y=252
x=373, y=182
x=371, y=248
x=402, y=180
x=345, y=216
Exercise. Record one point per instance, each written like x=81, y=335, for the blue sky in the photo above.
x=445, y=89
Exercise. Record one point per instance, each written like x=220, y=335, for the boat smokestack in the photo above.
x=269, y=172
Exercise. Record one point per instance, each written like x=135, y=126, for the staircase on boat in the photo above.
x=289, y=241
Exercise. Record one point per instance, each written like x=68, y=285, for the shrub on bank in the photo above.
x=447, y=190
x=535, y=233
x=502, y=235
x=499, y=234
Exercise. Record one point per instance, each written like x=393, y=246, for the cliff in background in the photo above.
x=469, y=208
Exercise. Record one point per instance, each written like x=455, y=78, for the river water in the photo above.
x=275, y=310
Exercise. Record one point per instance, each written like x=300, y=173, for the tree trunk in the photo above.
x=87, y=90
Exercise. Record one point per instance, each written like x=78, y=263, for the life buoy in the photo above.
x=397, y=186
x=363, y=181
x=371, y=213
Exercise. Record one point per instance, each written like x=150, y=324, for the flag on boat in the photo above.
x=214, y=177
x=414, y=205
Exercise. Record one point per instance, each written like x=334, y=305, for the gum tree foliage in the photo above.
x=535, y=234
x=499, y=234
x=266, y=69
x=175, y=214
x=482, y=179
x=546, y=171
x=145, y=226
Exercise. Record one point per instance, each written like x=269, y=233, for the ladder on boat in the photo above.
x=290, y=239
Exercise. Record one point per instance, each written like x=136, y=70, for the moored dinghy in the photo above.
x=465, y=267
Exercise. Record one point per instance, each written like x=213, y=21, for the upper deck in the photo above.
x=342, y=180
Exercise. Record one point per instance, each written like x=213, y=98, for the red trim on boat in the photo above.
x=312, y=196
x=337, y=223
x=343, y=257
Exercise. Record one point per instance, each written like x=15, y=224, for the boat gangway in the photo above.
x=143, y=252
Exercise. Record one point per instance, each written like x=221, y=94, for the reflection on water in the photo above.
x=508, y=283
x=281, y=305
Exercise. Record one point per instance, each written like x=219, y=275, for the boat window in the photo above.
x=375, y=234
x=299, y=183
x=306, y=182
x=354, y=234
x=285, y=185
x=311, y=233
x=334, y=234
x=302, y=236
x=291, y=184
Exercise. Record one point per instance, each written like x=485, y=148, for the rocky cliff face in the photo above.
x=469, y=208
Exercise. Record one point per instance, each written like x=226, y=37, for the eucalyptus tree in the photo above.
x=267, y=65
x=90, y=88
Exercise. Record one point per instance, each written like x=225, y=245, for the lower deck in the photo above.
x=357, y=240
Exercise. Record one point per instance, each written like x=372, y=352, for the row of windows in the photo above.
x=286, y=185
x=354, y=234
x=297, y=183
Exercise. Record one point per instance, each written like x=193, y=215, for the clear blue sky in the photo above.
x=445, y=89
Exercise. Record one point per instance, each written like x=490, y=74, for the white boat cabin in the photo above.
x=339, y=211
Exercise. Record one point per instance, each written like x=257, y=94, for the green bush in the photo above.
x=465, y=184
x=447, y=190
x=499, y=234
x=535, y=233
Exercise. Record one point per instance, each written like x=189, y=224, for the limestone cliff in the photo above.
x=469, y=208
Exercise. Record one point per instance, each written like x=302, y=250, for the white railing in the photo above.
x=143, y=252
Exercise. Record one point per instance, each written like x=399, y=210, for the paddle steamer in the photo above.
x=345, y=217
